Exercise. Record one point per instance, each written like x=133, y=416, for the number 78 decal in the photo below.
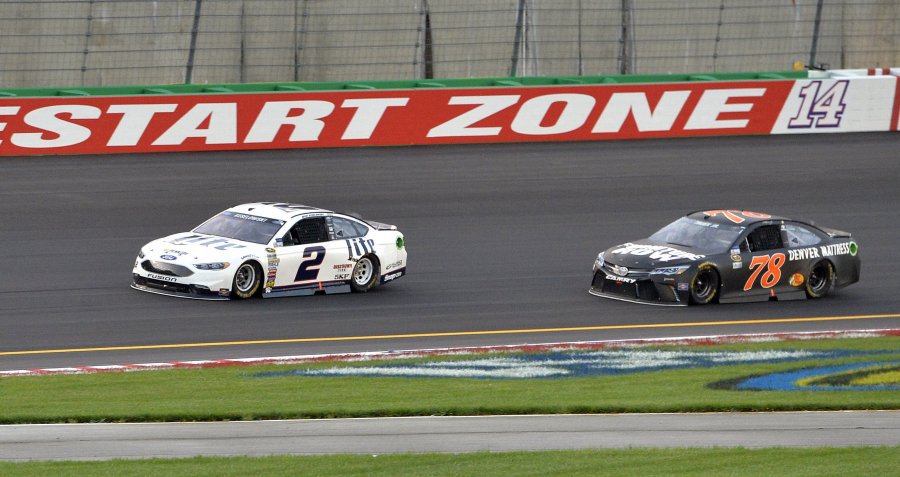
x=771, y=264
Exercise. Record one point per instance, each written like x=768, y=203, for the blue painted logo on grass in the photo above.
x=570, y=364
x=873, y=376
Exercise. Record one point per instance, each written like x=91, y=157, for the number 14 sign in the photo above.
x=820, y=107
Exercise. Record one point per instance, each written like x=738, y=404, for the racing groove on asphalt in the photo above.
x=500, y=237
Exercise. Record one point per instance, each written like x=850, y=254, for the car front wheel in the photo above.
x=246, y=280
x=704, y=285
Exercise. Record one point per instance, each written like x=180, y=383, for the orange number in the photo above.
x=756, y=215
x=731, y=215
x=758, y=262
x=773, y=272
x=772, y=264
x=736, y=215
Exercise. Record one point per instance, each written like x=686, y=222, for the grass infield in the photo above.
x=838, y=462
x=238, y=393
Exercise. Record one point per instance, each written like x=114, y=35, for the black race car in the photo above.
x=728, y=256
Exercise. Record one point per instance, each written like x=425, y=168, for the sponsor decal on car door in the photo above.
x=770, y=272
x=312, y=264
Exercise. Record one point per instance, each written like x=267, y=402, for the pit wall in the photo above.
x=312, y=115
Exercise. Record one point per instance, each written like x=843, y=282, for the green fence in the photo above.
x=386, y=85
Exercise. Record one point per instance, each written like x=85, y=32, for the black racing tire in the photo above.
x=821, y=279
x=365, y=274
x=247, y=279
x=705, y=285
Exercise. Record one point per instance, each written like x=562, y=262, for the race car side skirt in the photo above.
x=783, y=296
x=328, y=288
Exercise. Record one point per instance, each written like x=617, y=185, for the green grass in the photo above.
x=839, y=462
x=232, y=393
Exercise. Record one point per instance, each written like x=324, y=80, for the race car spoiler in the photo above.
x=381, y=226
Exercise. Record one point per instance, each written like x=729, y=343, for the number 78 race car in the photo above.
x=272, y=249
x=728, y=256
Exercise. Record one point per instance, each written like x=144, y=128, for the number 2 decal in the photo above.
x=772, y=265
x=309, y=269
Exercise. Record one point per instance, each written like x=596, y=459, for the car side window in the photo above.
x=360, y=228
x=766, y=237
x=345, y=228
x=799, y=236
x=745, y=245
x=307, y=231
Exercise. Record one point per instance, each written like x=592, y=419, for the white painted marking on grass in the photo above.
x=424, y=353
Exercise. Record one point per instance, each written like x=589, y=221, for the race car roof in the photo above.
x=732, y=217
x=277, y=210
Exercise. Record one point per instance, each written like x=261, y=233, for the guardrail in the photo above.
x=308, y=115
x=393, y=84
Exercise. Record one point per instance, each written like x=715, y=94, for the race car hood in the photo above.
x=648, y=254
x=188, y=248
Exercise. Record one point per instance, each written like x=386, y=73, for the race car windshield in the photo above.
x=234, y=225
x=704, y=236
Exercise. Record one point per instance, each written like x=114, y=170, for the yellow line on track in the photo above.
x=451, y=333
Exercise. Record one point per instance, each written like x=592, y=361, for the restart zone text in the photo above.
x=272, y=249
x=728, y=256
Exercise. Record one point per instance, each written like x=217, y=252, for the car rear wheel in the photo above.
x=821, y=277
x=364, y=275
x=704, y=285
x=246, y=280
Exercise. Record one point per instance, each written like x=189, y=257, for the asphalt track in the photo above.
x=449, y=434
x=500, y=237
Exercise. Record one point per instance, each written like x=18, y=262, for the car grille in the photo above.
x=161, y=285
x=599, y=280
x=163, y=268
x=641, y=290
x=628, y=290
x=173, y=287
x=647, y=291
x=632, y=272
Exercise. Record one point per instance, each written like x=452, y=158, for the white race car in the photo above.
x=272, y=249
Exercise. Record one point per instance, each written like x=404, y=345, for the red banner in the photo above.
x=129, y=124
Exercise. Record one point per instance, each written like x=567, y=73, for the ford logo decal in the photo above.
x=168, y=257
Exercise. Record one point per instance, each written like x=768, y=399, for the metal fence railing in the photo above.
x=123, y=42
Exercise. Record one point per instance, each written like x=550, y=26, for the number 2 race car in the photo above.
x=728, y=256
x=272, y=249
